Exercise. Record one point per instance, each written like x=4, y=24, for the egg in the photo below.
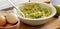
x=2, y=20
x=12, y=18
x=1, y=26
x=8, y=25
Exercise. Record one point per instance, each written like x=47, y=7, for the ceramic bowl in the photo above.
x=39, y=21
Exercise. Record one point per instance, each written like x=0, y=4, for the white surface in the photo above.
x=39, y=0
x=55, y=2
x=5, y=4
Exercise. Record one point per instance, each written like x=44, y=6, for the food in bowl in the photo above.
x=35, y=10
x=36, y=21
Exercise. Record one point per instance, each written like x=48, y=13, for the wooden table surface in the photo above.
x=52, y=24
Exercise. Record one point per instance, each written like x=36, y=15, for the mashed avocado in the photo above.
x=35, y=10
x=58, y=10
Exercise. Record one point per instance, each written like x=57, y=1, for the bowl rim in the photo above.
x=40, y=18
x=13, y=25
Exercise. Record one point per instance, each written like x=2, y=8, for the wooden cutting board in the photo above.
x=54, y=23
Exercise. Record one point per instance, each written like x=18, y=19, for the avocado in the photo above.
x=58, y=9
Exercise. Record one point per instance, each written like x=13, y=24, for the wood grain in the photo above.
x=52, y=24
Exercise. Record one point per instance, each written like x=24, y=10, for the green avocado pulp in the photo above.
x=58, y=10
x=35, y=10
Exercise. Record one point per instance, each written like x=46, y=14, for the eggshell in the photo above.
x=2, y=20
x=1, y=26
x=8, y=25
x=12, y=18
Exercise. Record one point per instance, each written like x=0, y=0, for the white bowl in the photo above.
x=39, y=21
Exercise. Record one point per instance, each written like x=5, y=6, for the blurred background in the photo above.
x=5, y=4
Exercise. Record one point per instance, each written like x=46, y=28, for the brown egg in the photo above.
x=2, y=20
x=8, y=25
x=12, y=18
x=1, y=26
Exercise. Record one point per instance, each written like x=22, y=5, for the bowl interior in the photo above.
x=53, y=12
